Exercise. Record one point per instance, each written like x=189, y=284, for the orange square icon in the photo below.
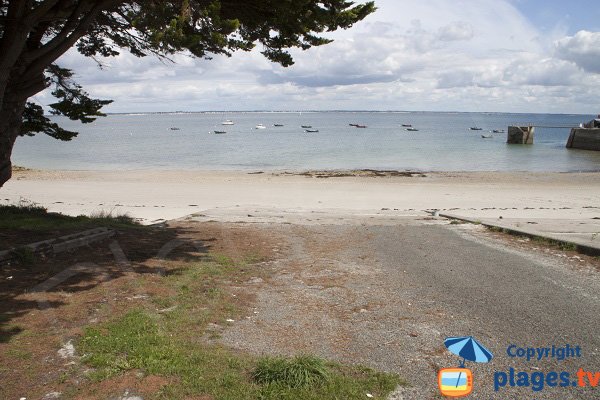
x=455, y=382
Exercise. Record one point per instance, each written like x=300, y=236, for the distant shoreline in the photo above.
x=333, y=172
x=341, y=111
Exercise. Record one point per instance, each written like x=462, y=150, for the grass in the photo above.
x=540, y=240
x=297, y=372
x=33, y=217
x=24, y=256
x=138, y=342
x=171, y=345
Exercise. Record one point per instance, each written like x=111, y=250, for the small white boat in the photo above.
x=412, y=129
x=220, y=132
x=227, y=122
x=486, y=136
x=260, y=126
x=311, y=130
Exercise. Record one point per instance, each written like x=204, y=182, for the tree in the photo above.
x=35, y=33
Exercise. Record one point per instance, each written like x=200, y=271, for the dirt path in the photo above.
x=387, y=297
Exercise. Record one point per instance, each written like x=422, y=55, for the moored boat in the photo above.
x=260, y=126
x=475, y=128
x=220, y=132
x=306, y=126
x=227, y=122
x=412, y=129
x=311, y=130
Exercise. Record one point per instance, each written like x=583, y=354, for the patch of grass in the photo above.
x=498, y=229
x=222, y=259
x=540, y=240
x=19, y=353
x=298, y=372
x=555, y=243
x=33, y=217
x=134, y=341
x=138, y=341
x=24, y=256
x=169, y=344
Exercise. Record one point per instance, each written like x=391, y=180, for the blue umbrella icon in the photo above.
x=469, y=349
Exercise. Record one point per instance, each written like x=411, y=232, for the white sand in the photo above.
x=156, y=195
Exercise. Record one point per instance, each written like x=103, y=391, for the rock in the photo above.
x=52, y=395
x=67, y=351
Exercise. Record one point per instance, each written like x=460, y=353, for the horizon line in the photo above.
x=338, y=111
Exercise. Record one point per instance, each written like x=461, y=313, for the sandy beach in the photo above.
x=563, y=206
x=153, y=196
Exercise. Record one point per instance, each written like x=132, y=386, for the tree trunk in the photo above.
x=11, y=118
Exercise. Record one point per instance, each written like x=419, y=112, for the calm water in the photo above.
x=443, y=143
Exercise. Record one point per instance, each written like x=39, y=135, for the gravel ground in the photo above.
x=387, y=296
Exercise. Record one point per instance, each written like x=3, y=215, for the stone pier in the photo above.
x=520, y=135
x=584, y=139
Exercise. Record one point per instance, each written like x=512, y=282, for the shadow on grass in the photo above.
x=134, y=249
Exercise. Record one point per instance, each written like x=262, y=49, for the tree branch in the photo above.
x=39, y=11
x=69, y=26
x=40, y=63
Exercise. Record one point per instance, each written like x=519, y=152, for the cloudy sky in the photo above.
x=434, y=55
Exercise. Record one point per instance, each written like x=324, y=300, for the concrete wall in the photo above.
x=584, y=138
x=520, y=135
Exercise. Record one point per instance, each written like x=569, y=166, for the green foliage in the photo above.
x=24, y=256
x=298, y=372
x=139, y=341
x=34, y=121
x=73, y=103
x=32, y=217
x=219, y=27
x=24, y=207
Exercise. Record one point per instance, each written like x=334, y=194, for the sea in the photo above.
x=187, y=141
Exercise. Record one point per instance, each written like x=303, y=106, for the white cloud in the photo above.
x=459, y=30
x=583, y=49
x=542, y=72
x=411, y=54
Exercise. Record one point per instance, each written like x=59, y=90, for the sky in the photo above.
x=539, y=56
